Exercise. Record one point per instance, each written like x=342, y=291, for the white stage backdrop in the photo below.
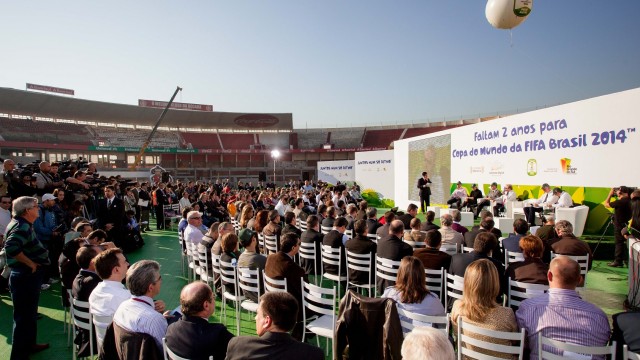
x=585, y=143
x=374, y=170
x=334, y=171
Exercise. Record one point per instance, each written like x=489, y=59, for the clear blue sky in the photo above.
x=330, y=63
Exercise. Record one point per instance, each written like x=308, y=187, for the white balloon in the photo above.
x=507, y=14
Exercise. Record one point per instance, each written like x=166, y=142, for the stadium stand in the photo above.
x=311, y=138
x=202, y=141
x=48, y=132
x=346, y=137
x=127, y=137
x=237, y=141
x=381, y=138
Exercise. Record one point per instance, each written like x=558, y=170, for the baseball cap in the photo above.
x=245, y=237
x=48, y=196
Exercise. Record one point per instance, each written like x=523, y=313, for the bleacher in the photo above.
x=311, y=138
x=426, y=130
x=346, y=137
x=23, y=130
x=127, y=137
x=381, y=138
x=202, y=140
x=237, y=141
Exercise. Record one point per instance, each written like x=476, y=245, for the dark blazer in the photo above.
x=571, y=245
x=334, y=239
x=271, y=345
x=470, y=236
x=291, y=229
x=328, y=222
x=123, y=344
x=625, y=331
x=83, y=284
x=383, y=231
x=113, y=214
x=362, y=245
x=392, y=248
x=532, y=271
x=372, y=226
x=512, y=243
x=427, y=226
x=312, y=236
x=406, y=220
x=459, y=263
x=195, y=338
x=272, y=229
x=433, y=259
x=280, y=266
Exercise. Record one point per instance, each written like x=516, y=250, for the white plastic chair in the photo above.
x=325, y=229
x=101, y=323
x=361, y=263
x=571, y=351
x=229, y=275
x=435, y=280
x=307, y=251
x=582, y=260
x=467, y=249
x=438, y=322
x=449, y=249
x=387, y=269
x=465, y=339
x=302, y=225
x=82, y=319
x=349, y=233
x=170, y=355
x=323, y=302
x=629, y=355
x=261, y=243
x=249, y=281
x=271, y=244
x=454, y=289
x=512, y=257
x=518, y=292
x=416, y=244
x=373, y=237
x=271, y=284
x=204, y=264
x=333, y=256
x=69, y=323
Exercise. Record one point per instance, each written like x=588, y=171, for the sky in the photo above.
x=330, y=63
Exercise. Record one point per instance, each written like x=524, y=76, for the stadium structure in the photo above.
x=189, y=144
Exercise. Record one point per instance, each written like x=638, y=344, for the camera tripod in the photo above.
x=609, y=223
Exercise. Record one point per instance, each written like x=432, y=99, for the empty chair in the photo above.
x=409, y=320
x=270, y=244
x=484, y=341
x=373, y=237
x=517, y=292
x=323, y=303
x=564, y=350
x=360, y=264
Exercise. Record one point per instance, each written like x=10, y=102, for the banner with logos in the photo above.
x=375, y=175
x=334, y=171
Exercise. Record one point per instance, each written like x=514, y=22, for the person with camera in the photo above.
x=44, y=181
x=621, y=216
x=50, y=233
x=77, y=185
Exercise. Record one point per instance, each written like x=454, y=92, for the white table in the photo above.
x=504, y=224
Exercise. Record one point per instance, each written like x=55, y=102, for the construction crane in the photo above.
x=153, y=131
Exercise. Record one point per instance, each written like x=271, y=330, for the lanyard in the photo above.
x=140, y=300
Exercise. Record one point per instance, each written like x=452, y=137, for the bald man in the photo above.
x=561, y=314
x=193, y=337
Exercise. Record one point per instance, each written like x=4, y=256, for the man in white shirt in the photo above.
x=5, y=214
x=546, y=200
x=306, y=187
x=507, y=195
x=458, y=196
x=564, y=199
x=138, y=314
x=192, y=233
x=184, y=201
x=281, y=206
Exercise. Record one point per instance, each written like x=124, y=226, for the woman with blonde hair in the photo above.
x=410, y=291
x=247, y=214
x=478, y=305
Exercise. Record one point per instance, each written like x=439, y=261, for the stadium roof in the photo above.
x=35, y=104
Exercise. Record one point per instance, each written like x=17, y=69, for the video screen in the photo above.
x=432, y=155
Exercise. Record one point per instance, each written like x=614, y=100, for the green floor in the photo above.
x=606, y=287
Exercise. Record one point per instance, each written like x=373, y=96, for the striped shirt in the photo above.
x=21, y=238
x=562, y=315
x=138, y=315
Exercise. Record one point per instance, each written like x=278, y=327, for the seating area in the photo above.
x=126, y=137
x=381, y=138
x=237, y=140
x=22, y=130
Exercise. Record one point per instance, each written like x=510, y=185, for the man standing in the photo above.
x=621, y=216
x=161, y=200
x=560, y=314
x=25, y=256
x=111, y=217
x=276, y=317
x=47, y=230
x=143, y=195
x=138, y=314
x=424, y=186
x=545, y=201
x=5, y=214
x=192, y=336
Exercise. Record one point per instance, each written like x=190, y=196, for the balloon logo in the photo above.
x=507, y=14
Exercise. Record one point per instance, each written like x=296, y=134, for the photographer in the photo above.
x=44, y=181
x=49, y=233
x=621, y=216
x=10, y=179
x=77, y=185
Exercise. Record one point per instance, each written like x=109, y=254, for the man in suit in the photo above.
x=276, y=316
x=569, y=244
x=412, y=211
x=493, y=194
x=393, y=248
x=372, y=220
x=313, y=236
x=520, y=229
x=361, y=244
x=281, y=266
x=111, y=216
x=483, y=245
x=84, y=283
x=161, y=200
x=383, y=231
x=424, y=186
x=290, y=224
x=143, y=194
x=336, y=239
x=431, y=256
x=192, y=336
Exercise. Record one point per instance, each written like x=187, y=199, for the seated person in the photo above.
x=361, y=244
x=508, y=195
x=458, y=196
x=230, y=254
x=472, y=200
x=520, y=229
x=532, y=270
x=431, y=256
x=427, y=343
x=415, y=234
x=428, y=223
x=193, y=336
x=276, y=317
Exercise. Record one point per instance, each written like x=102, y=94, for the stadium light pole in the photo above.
x=275, y=154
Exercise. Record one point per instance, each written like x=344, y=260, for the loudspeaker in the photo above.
x=165, y=177
x=305, y=176
x=262, y=176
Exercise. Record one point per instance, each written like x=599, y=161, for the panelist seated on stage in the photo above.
x=564, y=199
x=508, y=195
x=493, y=195
x=458, y=196
x=545, y=202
